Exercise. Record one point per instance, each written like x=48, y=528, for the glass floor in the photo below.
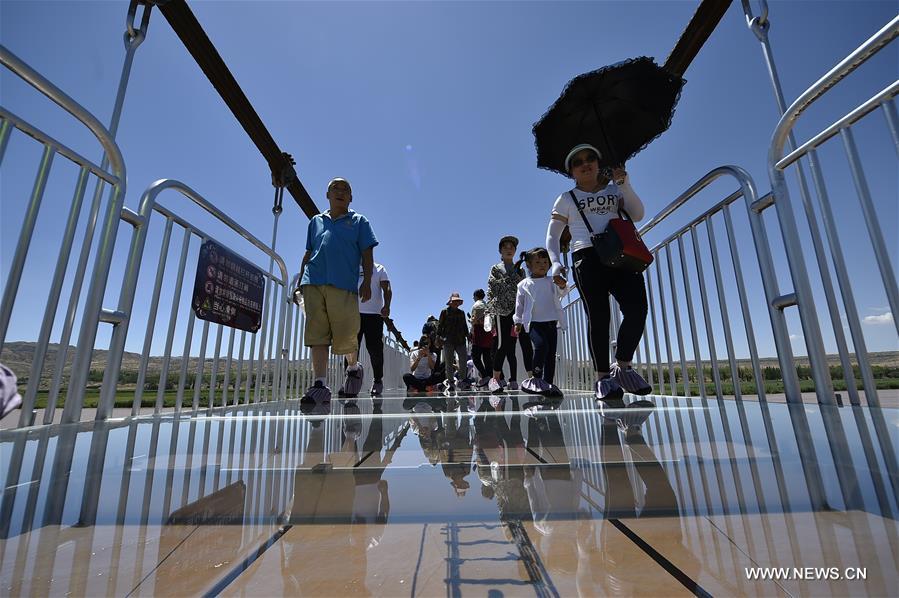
x=461, y=495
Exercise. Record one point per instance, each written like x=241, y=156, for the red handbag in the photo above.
x=619, y=246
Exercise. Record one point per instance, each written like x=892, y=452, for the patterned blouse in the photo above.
x=501, y=289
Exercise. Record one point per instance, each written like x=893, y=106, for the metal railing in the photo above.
x=92, y=312
x=275, y=367
x=671, y=277
x=779, y=159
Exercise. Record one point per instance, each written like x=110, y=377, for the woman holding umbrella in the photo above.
x=597, y=199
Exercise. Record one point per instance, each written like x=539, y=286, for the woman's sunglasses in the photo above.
x=578, y=162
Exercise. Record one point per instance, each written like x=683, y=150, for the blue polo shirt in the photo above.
x=336, y=247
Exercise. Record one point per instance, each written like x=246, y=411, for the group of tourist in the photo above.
x=346, y=296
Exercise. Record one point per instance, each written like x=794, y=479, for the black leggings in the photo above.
x=371, y=326
x=595, y=283
x=483, y=359
x=504, y=348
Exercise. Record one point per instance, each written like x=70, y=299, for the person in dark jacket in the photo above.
x=452, y=328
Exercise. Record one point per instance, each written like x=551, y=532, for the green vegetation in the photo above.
x=885, y=377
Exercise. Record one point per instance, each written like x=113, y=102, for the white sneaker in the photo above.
x=494, y=386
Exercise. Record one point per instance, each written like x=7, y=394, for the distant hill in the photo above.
x=18, y=357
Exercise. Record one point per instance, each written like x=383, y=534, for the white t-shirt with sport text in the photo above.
x=376, y=303
x=599, y=207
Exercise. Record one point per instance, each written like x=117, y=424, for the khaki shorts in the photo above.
x=332, y=318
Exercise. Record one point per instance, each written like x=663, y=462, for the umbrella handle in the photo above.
x=607, y=172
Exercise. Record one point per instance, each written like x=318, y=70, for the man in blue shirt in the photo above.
x=337, y=240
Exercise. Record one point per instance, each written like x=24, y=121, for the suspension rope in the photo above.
x=698, y=31
x=194, y=38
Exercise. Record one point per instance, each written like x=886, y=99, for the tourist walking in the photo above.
x=372, y=314
x=453, y=331
x=481, y=339
x=538, y=313
x=502, y=287
x=337, y=241
x=596, y=200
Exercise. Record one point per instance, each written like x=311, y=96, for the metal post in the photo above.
x=744, y=306
x=697, y=357
x=151, y=318
x=881, y=253
x=677, y=325
x=37, y=363
x=710, y=336
x=759, y=27
x=725, y=318
x=18, y=261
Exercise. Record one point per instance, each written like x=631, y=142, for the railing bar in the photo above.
x=59, y=148
x=588, y=374
x=697, y=356
x=295, y=369
x=201, y=233
x=889, y=111
x=270, y=334
x=261, y=361
x=151, y=318
x=239, y=373
x=173, y=318
x=871, y=221
x=301, y=328
x=213, y=380
x=842, y=273
x=74, y=294
x=283, y=347
x=725, y=317
x=671, y=381
x=5, y=130
x=713, y=357
x=227, y=374
x=677, y=325
x=744, y=306
x=185, y=360
x=250, y=367
x=836, y=128
x=701, y=218
x=40, y=350
x=655, y=333
x=16, y=267
x=201, y=365
x=93, y=305
x=160, y=186
x=189, y=453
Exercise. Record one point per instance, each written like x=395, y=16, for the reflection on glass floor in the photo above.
x=433, y=495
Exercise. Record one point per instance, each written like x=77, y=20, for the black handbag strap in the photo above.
x=584, y=217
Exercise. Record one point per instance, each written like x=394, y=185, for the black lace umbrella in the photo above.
x=618, y=109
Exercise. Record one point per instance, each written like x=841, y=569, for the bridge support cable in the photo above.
x=698, y=31
x=194, y=38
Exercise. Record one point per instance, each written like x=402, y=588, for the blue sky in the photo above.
x=427, y=108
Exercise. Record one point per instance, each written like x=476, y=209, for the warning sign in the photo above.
x=228, y=290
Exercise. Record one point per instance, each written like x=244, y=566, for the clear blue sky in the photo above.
x=427, y=108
